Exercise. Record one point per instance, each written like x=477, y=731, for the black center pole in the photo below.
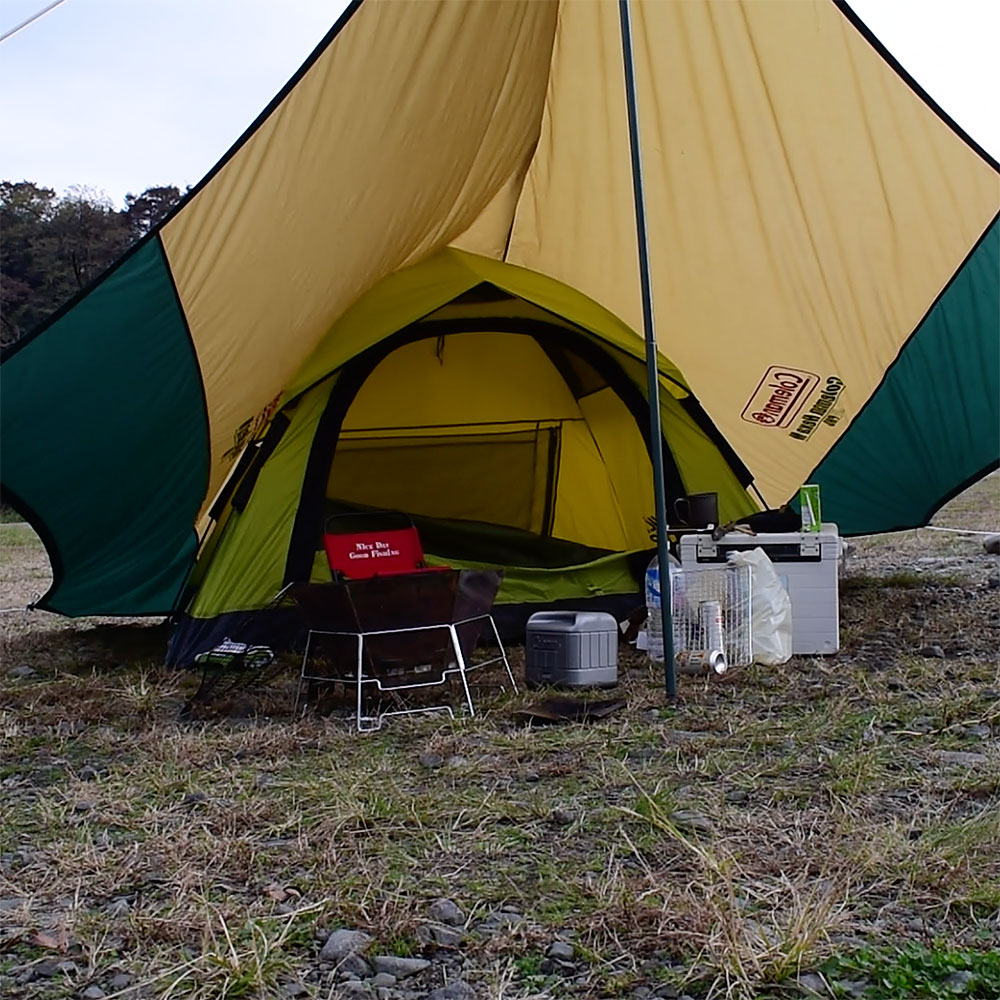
x=652, y=367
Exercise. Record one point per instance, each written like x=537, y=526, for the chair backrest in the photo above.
x=379, y=552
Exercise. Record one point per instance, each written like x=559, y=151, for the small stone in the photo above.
x=561, y=951
x=979, y=732
x=46, y=969
x=292, y=990
x=354, y=967
x=961, y=758
x=563, y=817
x=344, y=943
x=194, y=799
x=118, y=908
x=531, y=776
x=446, y=937
x=993, y=581
x=384, y=979
x=439, y=935
x=500, y=920
x=445, y=911
x=12, y=903
x=813, y=983
x=457, y=760
x=93, y=993
x=430, y=760
x=736, y=796
x=120, y=981
x=83, y=806
x=991, y=543
x=959, y=980
x=21, y=673
x=458, y=990
x=353, y=987
x=399, y=967
x=688, y=819
x=931, y=652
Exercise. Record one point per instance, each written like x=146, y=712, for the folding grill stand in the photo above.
x=370, y=723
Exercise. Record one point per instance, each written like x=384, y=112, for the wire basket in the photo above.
x=700, y=598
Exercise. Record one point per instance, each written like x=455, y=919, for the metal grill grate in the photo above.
x=698, y=600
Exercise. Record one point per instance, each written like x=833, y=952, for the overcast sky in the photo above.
x=121, y=95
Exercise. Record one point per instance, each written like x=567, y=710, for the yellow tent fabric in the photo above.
x=771, y=134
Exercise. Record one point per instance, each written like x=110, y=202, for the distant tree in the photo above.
x=25, y=277
x=145, y=210
x=52, y=247
x=86, y=234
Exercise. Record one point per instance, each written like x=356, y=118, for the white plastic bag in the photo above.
x=770, y=608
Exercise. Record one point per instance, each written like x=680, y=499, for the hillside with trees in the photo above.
x=51, y=247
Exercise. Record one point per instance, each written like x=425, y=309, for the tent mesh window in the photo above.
x=504, y=477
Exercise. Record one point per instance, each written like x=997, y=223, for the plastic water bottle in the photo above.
x=654, y=612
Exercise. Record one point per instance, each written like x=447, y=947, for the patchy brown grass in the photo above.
x=724, y=843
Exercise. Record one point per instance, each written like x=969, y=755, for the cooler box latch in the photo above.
x=707, y=549
x=810, y=547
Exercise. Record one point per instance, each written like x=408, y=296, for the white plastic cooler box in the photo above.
x=807, y=565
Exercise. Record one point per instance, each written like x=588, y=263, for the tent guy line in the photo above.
x=30, y=20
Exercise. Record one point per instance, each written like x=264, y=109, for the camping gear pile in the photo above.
x=804, y=564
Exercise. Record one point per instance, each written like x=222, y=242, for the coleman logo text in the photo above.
x=779, y=396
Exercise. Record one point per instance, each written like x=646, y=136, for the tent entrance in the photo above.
x=506, y=428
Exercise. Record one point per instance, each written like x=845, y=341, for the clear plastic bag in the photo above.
x=770, y=608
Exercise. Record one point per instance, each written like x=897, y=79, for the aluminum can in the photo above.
x=712, y=628
x=701, y=661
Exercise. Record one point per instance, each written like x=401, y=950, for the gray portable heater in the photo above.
x=571, y=649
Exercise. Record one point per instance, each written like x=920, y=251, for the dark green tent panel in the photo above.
x=105, y=447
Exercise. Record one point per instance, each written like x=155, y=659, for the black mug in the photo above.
x=697, y=510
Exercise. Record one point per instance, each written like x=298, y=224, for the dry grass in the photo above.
x=724, y=844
